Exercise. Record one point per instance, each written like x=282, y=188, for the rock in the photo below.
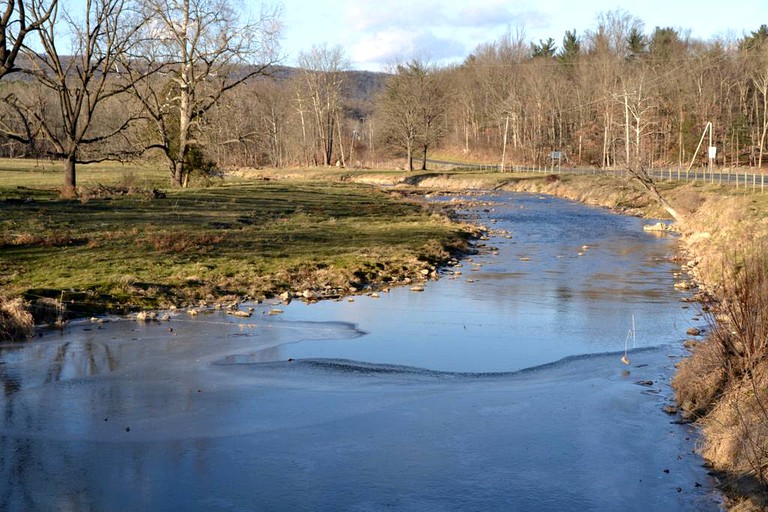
x=693, y=331
x=690, y=344
x=374, y=295
x=146, y=316
x=286, y=296
x=192, y=312
x=275, y=311
x=239, y=313
x=646, y=383
x=417, y=288
x=425, y=271
x=669, y=409
x=659, y=226
x=308, y=294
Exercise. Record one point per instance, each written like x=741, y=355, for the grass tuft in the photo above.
x=15, y=319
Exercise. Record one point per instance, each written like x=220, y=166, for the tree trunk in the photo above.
x=177, y=170
x=424, y=159
x=409, y=164
x=650, y=186
x=70, y=176
x=328, y=150
x=341, y=141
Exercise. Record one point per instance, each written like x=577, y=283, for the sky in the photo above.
x=375, y=34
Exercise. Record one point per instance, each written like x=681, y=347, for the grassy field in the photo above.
x=237, y=238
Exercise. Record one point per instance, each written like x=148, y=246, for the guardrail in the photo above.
x=741, y=179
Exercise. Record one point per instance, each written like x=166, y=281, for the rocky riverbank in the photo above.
x=208, y=247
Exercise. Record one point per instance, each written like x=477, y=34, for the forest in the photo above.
x=193, y=86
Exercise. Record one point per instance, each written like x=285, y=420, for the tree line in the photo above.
x=193, y=84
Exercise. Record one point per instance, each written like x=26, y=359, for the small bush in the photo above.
x=742, y=336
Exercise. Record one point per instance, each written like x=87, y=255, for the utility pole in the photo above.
x=712, y=150
x=504, y=146
x=712, y=153
x=626, y=127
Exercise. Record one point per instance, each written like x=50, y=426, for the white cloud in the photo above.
x=400, y=14
x=373, y=32
x=385, y=48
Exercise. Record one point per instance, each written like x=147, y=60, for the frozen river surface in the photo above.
x=499, y=389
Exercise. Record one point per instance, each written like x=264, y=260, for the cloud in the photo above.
x=393, y=14
x=385, y=48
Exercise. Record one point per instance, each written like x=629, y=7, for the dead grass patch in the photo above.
x=15, y=320
x=700, y=379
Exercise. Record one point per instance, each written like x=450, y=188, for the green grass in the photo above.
x=17, y=176
x=239, y=238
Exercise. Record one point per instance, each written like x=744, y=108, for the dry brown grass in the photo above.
x=700, y=380
x=15, y=320
x=735, y=439
x=725, y=381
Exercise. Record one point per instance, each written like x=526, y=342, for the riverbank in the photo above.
x=117, y=250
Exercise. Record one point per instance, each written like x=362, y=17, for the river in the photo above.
x=500, y=387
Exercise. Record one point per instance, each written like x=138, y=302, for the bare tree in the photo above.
x=411, y=109
x=199, y=50
x=322, y=80
x=250, y=127
x=69, y=112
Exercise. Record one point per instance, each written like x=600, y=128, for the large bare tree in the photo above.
x=199, y=50
x=69, y=113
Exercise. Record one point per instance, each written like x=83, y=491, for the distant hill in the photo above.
x=360, y=88
x=359, y=85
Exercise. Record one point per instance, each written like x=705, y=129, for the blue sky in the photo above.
x=376, y=33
